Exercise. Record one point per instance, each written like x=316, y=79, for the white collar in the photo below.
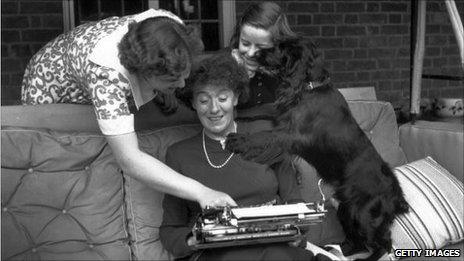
x=106, y=52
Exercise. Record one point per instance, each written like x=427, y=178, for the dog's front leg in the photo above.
x=261, y=147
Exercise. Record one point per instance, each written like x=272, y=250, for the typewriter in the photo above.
x=226, y=226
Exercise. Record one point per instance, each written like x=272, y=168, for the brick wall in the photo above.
x=364, y=43
x=367, y=43
x=26, y=25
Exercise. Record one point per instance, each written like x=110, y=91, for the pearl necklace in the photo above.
x=206, y=153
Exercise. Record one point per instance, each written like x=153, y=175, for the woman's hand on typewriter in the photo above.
x=297, y=243
x=191, y=241
x=213, y=198
x=334, y=203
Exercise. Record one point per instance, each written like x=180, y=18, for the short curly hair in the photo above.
x=220, y=70
x=157, y=46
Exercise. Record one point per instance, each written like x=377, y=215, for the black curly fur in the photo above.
x=297, y=63
x=317, y=125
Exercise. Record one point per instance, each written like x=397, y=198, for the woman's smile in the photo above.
x=215, y=109
x=215, y=118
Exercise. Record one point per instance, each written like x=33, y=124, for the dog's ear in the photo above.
x=291, y=52
x=313, y=62
x=269, y=58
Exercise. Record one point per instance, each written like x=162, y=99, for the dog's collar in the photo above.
x=312, y=85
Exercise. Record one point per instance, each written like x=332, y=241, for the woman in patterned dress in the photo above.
x=119, y=64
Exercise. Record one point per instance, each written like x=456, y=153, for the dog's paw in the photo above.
x=349, y=248
x=237, y=142
x=246, y=146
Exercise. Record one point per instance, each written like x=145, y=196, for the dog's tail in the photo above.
x=402, y=206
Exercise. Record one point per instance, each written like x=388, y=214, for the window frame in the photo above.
x=226, y=18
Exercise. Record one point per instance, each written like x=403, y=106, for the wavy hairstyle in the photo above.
x=220, y=70
x=157, y=46
x=267, y=16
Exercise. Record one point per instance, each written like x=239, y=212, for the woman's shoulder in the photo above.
x=185, y=146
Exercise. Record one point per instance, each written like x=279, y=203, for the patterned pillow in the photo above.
x=436, y=211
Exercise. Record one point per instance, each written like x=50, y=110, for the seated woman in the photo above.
x=214, y=90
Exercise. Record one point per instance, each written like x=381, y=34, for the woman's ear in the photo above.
x=193, y=104
x=235, y=100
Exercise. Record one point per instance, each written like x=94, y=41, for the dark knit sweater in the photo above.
x=262, y=89
x=248, y=183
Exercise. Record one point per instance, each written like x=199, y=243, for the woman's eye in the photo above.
x=202, y=99
x=245, y=43
x=223, y=99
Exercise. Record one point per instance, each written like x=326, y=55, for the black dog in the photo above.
x=317, y=125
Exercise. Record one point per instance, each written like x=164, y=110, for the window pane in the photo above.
x=185, y=9
x=189, y=9
x=209, y=9
x=87, y=10
x=210, y=36
x=110, y=8
x=134, y=6
x=170, y=5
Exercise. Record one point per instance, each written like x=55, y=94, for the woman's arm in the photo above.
x=175, y=231
x=106, y=87
x=159, y=176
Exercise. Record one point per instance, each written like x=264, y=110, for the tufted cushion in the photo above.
x=144, y=205
x=62, y=197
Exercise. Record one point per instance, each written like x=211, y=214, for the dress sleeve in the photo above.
x=109, y=91
x=289, y=191
x=175, y=228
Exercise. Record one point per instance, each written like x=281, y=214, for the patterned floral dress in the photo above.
x=82, y=67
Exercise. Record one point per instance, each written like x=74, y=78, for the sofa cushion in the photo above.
x=144, y=204
x=62, y=197
x=378, y=120
x=77, y=117
x=444, y=141
x=436, y=211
